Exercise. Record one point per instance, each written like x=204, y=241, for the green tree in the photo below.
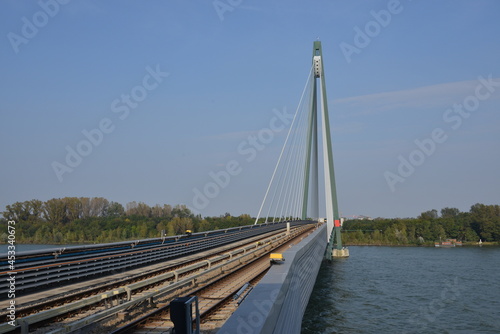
x=73, y=207
x=429, y=215
x=115, y=210
x=54, y=211
x=180, y=225
x=486, y=221
x=131, y=208
x=143, y=210
x=449, y=212
x=377, y=236
x=181, y=211
x=471, y=235
x=203, y=225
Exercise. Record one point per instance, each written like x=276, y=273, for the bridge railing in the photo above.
x=277, y=304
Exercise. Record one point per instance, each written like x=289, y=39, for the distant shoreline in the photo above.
x=475, y=244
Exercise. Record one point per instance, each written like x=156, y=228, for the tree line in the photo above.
x=481, y=222
x=96, y=220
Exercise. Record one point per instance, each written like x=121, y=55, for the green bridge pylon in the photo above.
x=334, y=248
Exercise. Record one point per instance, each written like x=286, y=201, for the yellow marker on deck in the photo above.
x=276, y=257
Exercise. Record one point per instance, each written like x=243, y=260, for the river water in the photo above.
x=407, y=290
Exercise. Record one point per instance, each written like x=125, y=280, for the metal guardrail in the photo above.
x=117, y=246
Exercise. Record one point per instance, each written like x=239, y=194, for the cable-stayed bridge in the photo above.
x=249, y=279
x=293, y=191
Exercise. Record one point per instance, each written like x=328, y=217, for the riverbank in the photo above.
x=465, y=244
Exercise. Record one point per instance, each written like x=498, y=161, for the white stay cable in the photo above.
x=294, y=163
x=286, y=186
x=287, y=167
x=284, y=145
x=299, y=168
x=299, y=176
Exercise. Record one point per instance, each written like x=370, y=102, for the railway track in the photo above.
x=37, y=302
x=217, y=300
x=41, y=270
x=141, y=292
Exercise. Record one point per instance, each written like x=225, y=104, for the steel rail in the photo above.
x=65, y=272
x=208, y=265
x=223, y=280
x=24, y=308
x=188, y=281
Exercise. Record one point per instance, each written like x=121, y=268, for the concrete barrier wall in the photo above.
x=277, y=304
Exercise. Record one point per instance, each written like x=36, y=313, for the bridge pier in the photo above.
x=344, y=252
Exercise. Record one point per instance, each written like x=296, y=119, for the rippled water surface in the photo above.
x=407, y=290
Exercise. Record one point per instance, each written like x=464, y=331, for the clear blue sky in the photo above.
x=67, y=68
